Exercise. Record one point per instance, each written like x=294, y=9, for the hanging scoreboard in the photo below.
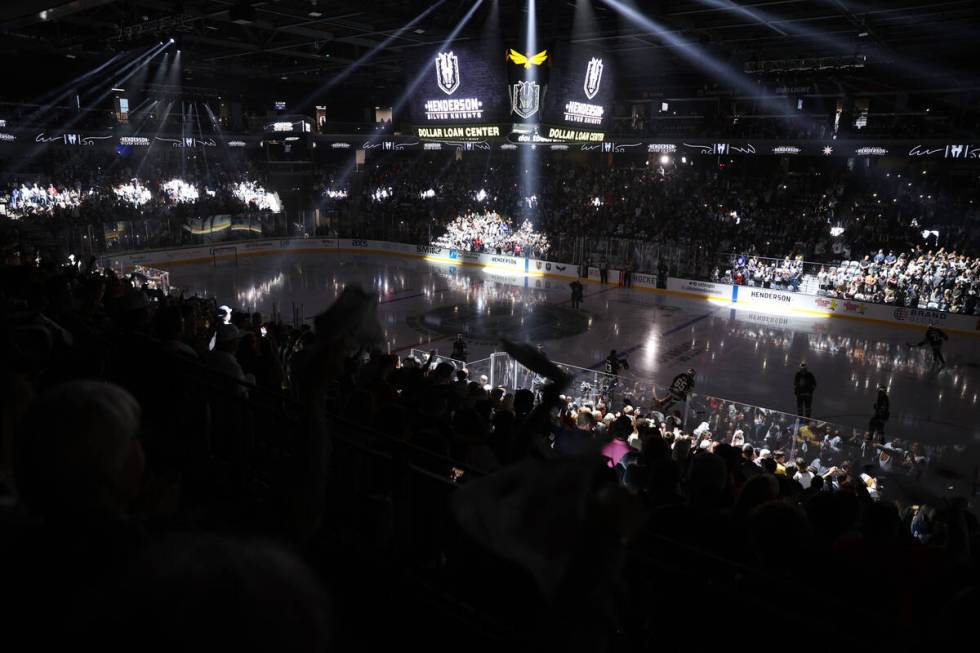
x=581, y=90
x=460, y=94
x=467, y=91
x=527, y=83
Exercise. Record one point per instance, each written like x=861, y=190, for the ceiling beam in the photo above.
x=15, y=14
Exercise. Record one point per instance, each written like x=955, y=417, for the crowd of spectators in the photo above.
x=88, y=470
x=746, y=208
x=940, y=280
x=113, y=443
x=491, y=232
x=823, y=213
x=88, y=186
x=648, y=203
x=924, y=279
x=136, y=199
x=919, y=236
x=813, y=447
x=752, y=271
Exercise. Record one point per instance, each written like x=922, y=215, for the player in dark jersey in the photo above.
x=614, y=362
x=804, y=383
x=679, y=388
x=460, y=349
x=935, y=338
x=882, y=408
x=577, y=293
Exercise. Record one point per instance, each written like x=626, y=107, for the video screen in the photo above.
x=581, y=89
x=463, y=84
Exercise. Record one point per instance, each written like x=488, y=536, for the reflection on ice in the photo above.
x=743, y=354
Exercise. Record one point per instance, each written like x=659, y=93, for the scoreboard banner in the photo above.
x=567, y=89
x=459, y=85
x=581, y=90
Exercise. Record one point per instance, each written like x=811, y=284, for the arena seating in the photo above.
x=285, y=436
x=235, y=237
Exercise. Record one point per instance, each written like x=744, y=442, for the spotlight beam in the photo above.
x=200, y=134
x=51, y=98
x=528, y=155
x=419, y=76
x=876, y=47
x=748, y=13
x=370, y=54
x=129, y=69
x=696, y=55
x=117, y=82
x=144, y=115
x=164, y=116
x=216, y=127
x=425, y=70
x=584, y=22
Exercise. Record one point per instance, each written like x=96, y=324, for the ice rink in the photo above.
x=740, y=354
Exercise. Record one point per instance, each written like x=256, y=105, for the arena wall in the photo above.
x=537, y=272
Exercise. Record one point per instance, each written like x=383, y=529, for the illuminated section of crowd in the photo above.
x=491, y=232
x=25, y=200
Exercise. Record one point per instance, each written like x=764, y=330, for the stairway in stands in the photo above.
x=810, y=284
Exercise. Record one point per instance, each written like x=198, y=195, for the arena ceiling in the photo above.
x=309, y=40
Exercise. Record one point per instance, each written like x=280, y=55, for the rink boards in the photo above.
x=758, y=299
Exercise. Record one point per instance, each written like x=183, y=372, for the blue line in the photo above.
x=687, y=324
x=599, y=292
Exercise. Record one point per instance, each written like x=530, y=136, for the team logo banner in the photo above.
x=581, y=86
x=447, y=72
x=593, y=77
x=464, y=85
x=525, y=98
x=528, y=82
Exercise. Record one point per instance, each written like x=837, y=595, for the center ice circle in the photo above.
x=503, y=319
